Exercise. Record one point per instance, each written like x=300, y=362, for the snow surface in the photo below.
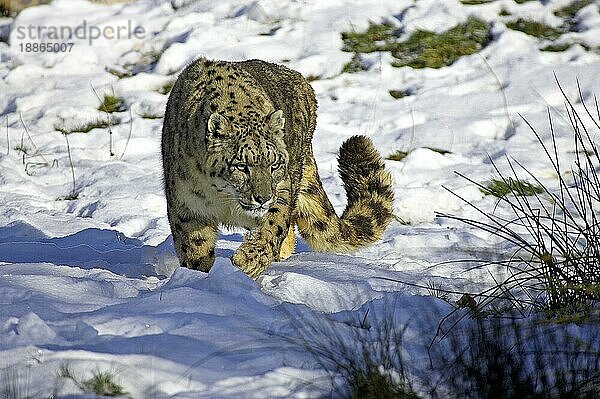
x=94, y=282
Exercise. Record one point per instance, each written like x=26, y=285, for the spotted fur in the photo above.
x=236, y=150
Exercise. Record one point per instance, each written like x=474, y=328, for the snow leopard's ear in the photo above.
x=218, y=127
x=276, y=121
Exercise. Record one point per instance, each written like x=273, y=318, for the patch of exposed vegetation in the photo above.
x=149, y=115
x=475, y=2
x=70, y=197
x=423, y=49
x=568, y=12
x=373, y=384
x=101, y=383
x=166, y=88
x=546, y=32
x=543, y=31
x=503, y=187
x=438, y=150
x=111, y=103
x=535, y=29
x=555, y=48
x=377, y=37
x=398, y=94
x=397, y=155
x=356, y=64
x=523, y=1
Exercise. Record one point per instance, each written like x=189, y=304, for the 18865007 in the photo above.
x=45, y=47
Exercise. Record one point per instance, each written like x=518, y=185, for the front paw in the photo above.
x=251, y=259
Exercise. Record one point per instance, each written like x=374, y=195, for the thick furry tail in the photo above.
x=369, y=194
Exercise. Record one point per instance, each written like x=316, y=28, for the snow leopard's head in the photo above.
x=247, y=157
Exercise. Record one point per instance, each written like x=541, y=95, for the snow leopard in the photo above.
x=237, y=152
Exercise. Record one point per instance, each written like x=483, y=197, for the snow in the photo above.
x=94, y=282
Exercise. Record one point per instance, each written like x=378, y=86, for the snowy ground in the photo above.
x=92, y=282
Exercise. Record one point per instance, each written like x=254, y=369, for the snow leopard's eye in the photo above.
x=242, y=167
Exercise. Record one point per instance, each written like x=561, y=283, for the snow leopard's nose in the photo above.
x=261, y=199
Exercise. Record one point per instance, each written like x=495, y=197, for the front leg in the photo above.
x=194, y=242
x=262, y=245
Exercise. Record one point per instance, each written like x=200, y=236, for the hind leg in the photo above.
x=317, y=221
